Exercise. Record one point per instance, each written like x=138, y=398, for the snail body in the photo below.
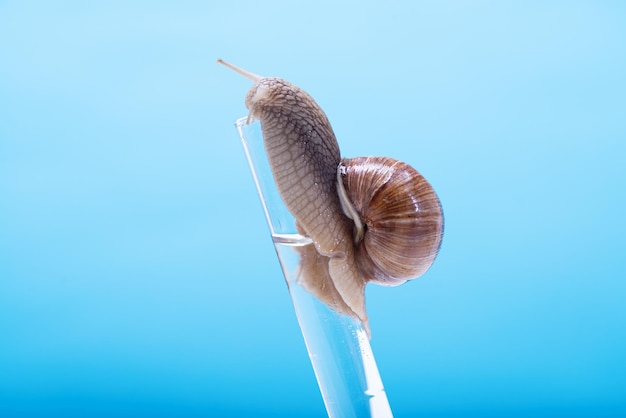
x=371, y=218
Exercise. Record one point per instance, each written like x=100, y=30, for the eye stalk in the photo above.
x=247, y=74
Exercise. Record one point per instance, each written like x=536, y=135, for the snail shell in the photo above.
x=402, y=217
x=335, y=202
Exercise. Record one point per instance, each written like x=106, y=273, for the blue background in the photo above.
x=137, y=277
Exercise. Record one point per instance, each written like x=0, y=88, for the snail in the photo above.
x=372, y=219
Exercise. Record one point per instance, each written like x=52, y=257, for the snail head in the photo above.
x=272, y=94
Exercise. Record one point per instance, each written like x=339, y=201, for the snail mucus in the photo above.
x=372, y=219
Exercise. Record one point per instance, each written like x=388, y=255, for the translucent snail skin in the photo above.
x=372, y=219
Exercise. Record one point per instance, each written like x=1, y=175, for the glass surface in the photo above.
x=338, y=346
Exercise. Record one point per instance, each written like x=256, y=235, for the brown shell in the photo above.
x=402, y=216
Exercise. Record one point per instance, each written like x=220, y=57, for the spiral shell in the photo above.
x=402, y=218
